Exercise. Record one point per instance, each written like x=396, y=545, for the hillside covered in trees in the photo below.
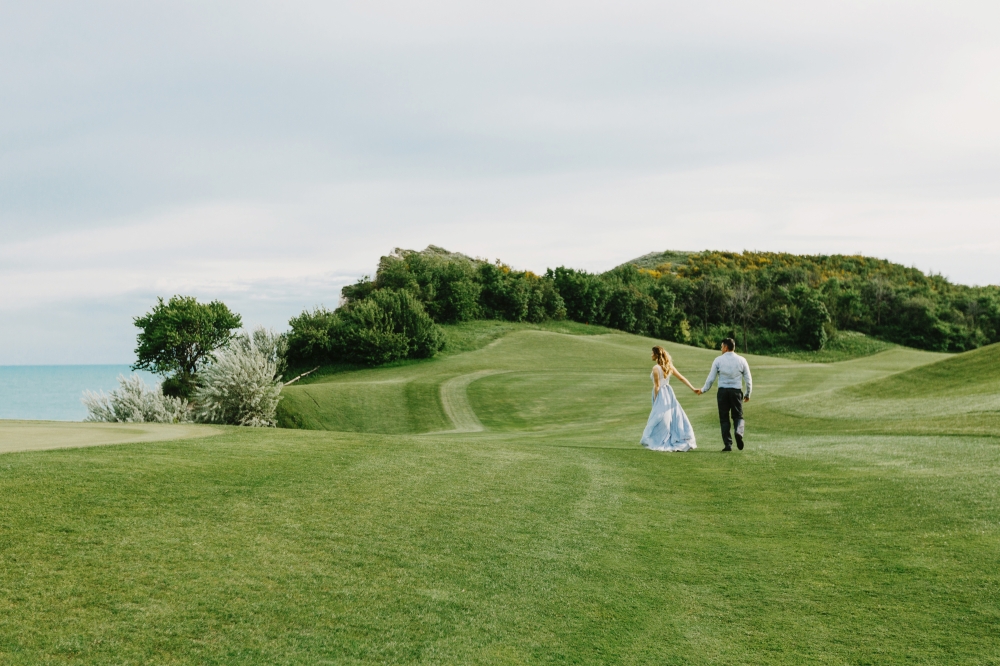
x=771, y=302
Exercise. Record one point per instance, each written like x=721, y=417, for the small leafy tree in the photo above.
x=134, y=402
x=178, y=337
x=744, y=305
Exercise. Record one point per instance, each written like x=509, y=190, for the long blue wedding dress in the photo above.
x=668, y=427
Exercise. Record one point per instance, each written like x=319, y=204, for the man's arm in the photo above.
x=747, y=379
x=711, y=376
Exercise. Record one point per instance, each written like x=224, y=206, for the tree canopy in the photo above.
x=387, y=325
x=768, y=301
x=178, y=336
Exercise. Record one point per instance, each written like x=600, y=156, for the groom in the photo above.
x=733, y=371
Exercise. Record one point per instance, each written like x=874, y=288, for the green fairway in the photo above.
x=493, y=505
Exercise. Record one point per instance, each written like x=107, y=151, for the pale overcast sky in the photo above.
x=267, y=153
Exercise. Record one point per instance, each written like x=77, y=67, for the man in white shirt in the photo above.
x=733, y=372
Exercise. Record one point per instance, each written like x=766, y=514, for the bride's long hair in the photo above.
x=663, y=359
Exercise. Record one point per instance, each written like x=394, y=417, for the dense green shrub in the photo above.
x=443, y=282
x=584, y=295
x=388, y=325
x=812, y=333
x=626, y=298
x=309, y=337
x=517, y=295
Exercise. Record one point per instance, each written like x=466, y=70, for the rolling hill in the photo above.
x=492, y=505
x=537, y=380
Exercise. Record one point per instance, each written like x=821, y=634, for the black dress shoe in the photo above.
x=739, y=442
x=728, y=448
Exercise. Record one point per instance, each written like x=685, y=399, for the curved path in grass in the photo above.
x=455, y=401
x=41, y=435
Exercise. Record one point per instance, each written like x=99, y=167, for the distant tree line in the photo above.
x=768, y=301
x=777, y=300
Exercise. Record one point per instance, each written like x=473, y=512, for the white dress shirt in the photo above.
x=732, y=371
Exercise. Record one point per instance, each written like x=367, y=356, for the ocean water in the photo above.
x=53, y=392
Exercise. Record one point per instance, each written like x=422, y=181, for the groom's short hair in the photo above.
x=730, y=344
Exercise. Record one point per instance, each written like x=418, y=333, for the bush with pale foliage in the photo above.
x=242, y=385
x=272, y=345
x=134, y=402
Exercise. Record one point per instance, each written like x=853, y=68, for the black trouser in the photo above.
x=730, y=402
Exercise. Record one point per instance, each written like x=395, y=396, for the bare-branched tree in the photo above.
x=881, y=293
x=973, y=310
x=744, y=306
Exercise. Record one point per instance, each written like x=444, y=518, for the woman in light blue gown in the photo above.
x=668, y=428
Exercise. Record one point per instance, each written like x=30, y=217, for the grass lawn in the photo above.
x=860, y=525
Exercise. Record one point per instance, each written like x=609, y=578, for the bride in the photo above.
x=668, y=428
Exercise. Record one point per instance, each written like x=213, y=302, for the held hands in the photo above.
x=698, y=391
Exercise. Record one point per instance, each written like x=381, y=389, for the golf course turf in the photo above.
x=493, y=506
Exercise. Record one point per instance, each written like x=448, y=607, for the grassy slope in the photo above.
x=970, y=374
x=404, y=397
x=844, y=346
x=840, y=536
